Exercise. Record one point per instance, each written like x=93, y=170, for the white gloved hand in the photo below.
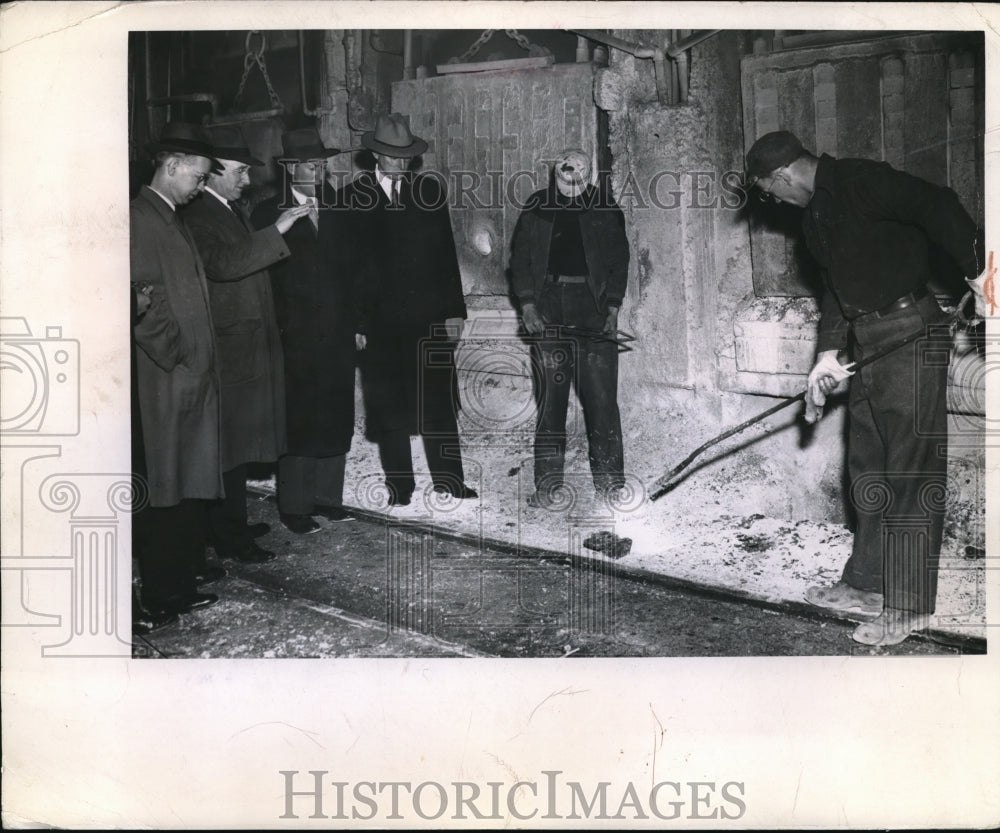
x=827, y=377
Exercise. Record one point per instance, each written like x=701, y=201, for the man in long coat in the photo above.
x=251, y=365
x=176, y=377
x=312, y=301
x=410, y=310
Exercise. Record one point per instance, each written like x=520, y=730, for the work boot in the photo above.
x=846, y=599
x=891, y=627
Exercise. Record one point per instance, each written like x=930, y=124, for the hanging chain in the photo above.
x=256, y=56
x=513, y=34
x=519, y=39
x=472, y=50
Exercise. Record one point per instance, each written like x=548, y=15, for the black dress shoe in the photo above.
x=334, y=513
x=460, y=492
x=195, y=601
x=300, y=524
x=248, y=552
x=206, y=575
x=257, y=530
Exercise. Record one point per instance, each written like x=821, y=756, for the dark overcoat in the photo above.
x=406, y=284
x=312, y=291
x=251, y=365
x=176, y=377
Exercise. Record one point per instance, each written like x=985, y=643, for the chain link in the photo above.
x=519, y=39
x=256, y=56
x=472, y=50
x=513, y=34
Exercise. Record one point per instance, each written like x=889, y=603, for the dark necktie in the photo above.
x=235, y=208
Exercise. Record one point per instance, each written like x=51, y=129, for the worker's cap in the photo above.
x=771, y=152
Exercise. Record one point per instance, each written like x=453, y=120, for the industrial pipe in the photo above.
x=408, y=70
x=673, y=51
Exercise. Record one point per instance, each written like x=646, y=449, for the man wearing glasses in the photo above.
x=870, y=227
x=177, y=384
x=251, y=365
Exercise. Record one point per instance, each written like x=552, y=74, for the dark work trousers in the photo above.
x=171, y=546
x=592, y=366
x=227, y=517
x=307, y=482
x=444, y=457
x=897, y=456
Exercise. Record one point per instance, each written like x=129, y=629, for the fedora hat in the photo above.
x=229, y=143
x=182, y=137
x=392, y=137
x=305, y=144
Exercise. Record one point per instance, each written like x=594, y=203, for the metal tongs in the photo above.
x=619, y=337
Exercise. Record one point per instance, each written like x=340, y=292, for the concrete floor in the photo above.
x=382, y=586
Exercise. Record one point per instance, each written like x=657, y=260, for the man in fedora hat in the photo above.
x=869, y=227
x=176, y=377
x=409, y=310
x=251, y=366
x=312, y=300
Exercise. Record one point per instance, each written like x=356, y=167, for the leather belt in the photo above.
x=901, y=303
x=557, y=278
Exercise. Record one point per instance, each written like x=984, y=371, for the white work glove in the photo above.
x=982, y=289
x=827, y=377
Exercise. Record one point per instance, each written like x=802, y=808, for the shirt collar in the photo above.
x=167, y=200
x=221, y=199
x=384, y=181
x=825, y=179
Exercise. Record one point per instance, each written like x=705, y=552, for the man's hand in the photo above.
x=611, y=322
x=827, y=377
x=143, y=298
x=982, y=289
x=360, y=341
x=453, y=327
x=288, y=217
x=533, y=322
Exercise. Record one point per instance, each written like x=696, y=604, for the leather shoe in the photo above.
x=195, y=601
x=257, y=530
x=300, y=524
x=248, y=552
x=460, y=492
x=334, y=513
x=845, y=598
x=206, y=575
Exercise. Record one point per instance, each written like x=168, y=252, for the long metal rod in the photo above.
x=663, y=485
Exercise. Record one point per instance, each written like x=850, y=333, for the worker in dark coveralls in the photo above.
x=312, y=302
x=869, y=227
x=177, y=382
x=569, y=267
x=251, y=366
x=410, y=311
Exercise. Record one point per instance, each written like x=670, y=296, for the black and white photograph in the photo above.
x=442, y=412
x=575, y=423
